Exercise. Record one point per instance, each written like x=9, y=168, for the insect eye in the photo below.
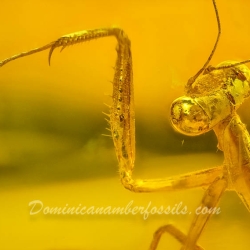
x=189, y=118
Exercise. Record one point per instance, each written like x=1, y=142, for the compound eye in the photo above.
x=187, y=117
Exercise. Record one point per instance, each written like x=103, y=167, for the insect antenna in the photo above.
x=192, y=79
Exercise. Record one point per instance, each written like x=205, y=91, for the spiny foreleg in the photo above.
x=121, y=118
x=67, y=40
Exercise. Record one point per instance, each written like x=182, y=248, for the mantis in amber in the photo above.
x=211, y=100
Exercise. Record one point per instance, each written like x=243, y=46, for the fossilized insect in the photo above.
x=211, y=100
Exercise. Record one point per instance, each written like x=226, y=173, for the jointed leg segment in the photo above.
x=122, y=126
x=121, y=116
x=175, y=232
x=210, y=200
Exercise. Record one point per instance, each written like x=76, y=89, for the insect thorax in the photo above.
x=210, y=99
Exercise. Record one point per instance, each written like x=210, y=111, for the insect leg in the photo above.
x=203, y=213
x=121, y=118
x=122, y=114
x=123, y=133
x=208, y=205
x=237, y=158
x=175, y=232
x=201, y=178
x=71, y=39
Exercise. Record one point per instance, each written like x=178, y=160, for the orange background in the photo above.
x=51, y=146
